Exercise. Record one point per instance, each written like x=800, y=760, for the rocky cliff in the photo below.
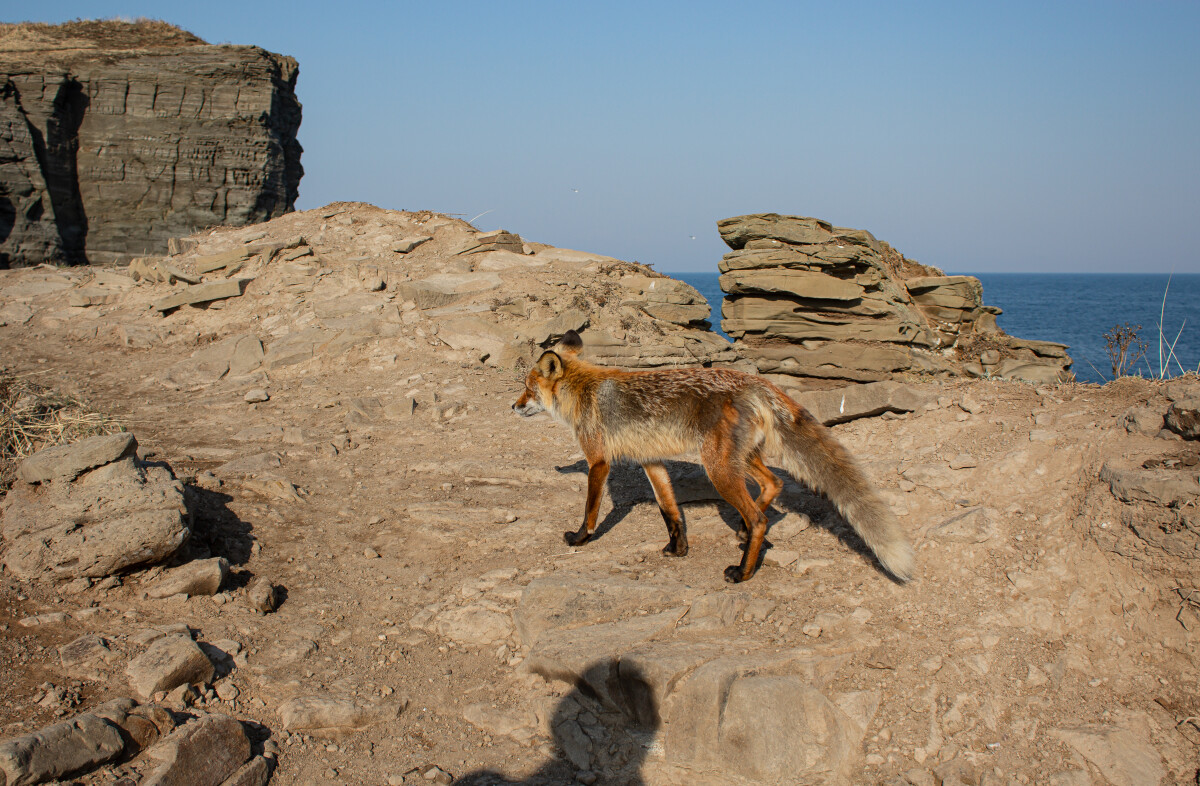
x=806, y=298
x=116, y=136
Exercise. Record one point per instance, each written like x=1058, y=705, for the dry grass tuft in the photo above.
x=33, y=417
x=116, y=33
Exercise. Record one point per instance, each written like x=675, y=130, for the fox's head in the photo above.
x=542, y=382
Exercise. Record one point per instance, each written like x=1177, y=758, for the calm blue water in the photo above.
x=1075, y=309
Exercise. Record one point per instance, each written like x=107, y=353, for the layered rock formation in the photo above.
x=806, y=298
x=116, y=136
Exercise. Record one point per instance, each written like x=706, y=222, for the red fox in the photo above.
x=732, y=419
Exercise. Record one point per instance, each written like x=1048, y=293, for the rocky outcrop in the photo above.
x=334, y=280
x=806, y=298
x=116, y=136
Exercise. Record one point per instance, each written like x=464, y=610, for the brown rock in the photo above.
x=169, y=662
x=1184, y=417
x=335, y=715
x=64, y=462
x=60, y=750
x=200, y=577
x=262, y=595
x=110, y=518
x=203, y=752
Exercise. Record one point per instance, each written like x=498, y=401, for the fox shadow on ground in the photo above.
x=629, y=487
x=608, y=738
x=217, y=532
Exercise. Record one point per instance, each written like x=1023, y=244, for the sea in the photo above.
x=1077, y=309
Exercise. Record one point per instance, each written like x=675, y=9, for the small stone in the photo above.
x=256, y=395
x=963, y=461
x=332, y=715
x=405, y=245
x=811, y=629
x=227, y=691
x=37, y=621
x=780, y=558
x=435, y=774
x=167, y=663
x=262, y=595
x=370, y=553
x=199, y=577
x=758, y=610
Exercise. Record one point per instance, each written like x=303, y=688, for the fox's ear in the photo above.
x=550, y=365
x=570, y=343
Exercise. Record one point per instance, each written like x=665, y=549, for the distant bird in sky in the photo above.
x=693, y=237
x=576, y=190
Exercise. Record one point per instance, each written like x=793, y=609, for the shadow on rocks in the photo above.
x=216, y=531
x=594, y=742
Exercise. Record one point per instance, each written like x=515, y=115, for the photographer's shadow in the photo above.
x=591, y=736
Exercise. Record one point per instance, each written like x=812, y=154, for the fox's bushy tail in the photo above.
x=811, y=455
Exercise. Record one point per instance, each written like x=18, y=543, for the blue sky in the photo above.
x=978, y=137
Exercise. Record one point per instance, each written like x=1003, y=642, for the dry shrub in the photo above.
x=33, y=417
x=972, y=346
x=113, y=33
x=1125, y=348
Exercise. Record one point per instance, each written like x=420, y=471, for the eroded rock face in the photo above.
x=115, y=137
x=806, y=298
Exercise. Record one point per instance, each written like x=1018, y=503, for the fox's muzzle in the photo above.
x=527, y=405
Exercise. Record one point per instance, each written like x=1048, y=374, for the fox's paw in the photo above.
x=577, y=538
x=733, y=574
x=676, y=548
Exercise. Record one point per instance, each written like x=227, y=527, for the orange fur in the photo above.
x=731, y=419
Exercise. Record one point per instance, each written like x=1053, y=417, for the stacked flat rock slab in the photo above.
x=116, y=136
x=806, y=298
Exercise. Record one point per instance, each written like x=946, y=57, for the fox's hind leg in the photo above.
x=665, y=494
x=769, y=487
x=725, y=461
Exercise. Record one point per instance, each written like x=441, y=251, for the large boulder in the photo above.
x=104, y=520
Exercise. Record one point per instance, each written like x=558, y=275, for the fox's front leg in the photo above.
x=597, y=474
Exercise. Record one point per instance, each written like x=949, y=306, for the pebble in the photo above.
x=256, y=395
x=436, y=774
x=963, y=461
x=370, y=553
